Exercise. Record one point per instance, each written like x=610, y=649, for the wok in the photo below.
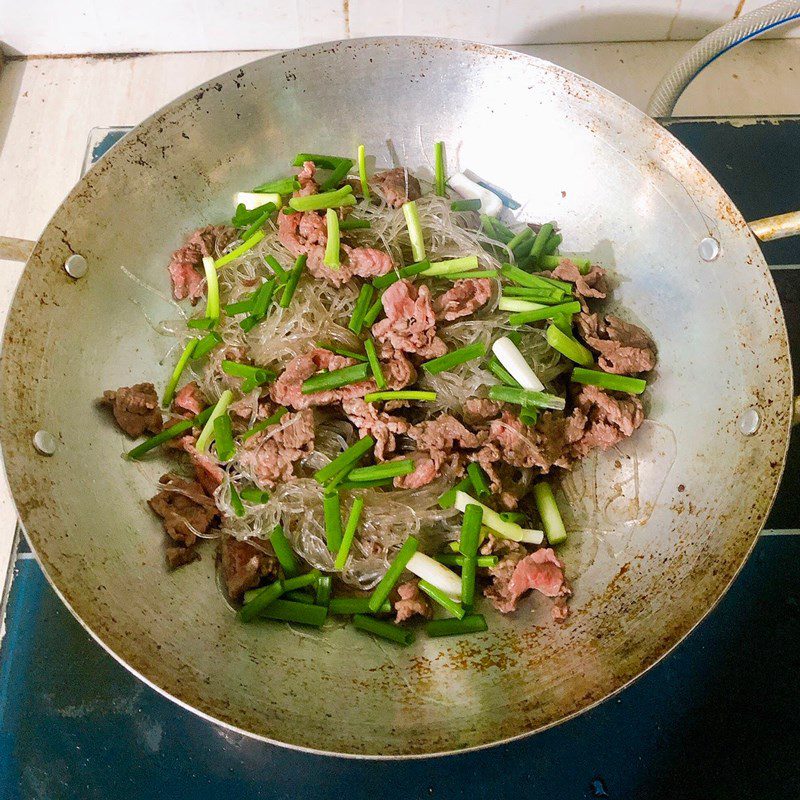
x=659, y=527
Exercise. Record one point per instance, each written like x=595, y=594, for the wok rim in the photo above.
x=432, y=41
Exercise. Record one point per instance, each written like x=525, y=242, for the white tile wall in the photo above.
x=111, y=26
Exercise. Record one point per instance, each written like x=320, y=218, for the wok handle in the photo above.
x=15, y=249
x=778, y=227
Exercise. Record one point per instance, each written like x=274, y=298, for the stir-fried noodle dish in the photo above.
x=376, y=380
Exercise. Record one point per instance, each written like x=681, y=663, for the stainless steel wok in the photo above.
x=661, y=527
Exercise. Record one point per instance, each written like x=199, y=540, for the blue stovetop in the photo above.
x=716, y=718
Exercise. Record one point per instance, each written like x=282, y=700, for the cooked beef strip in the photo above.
x=610, y=418
x=135, y=408
x=396, y=186
x=465, y=298
x=480, y=410
x=244, y=564
x=185, y=266
x=179, y=556
x=189, y=399
x=410, y=602
x=184, y=508
x=593, y=284
x=371, y=422
x=624, y=348
x=305, y=178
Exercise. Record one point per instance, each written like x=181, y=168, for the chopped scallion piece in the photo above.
x=548, y=312
x=541, y=240
x=258, y=374
x=294, y=278
x=436, y=574
x=349, y=532
x=281, y=186
x=568, y=346
x=353, y=224
x=443, y=599
x=526, y=397
x=472, y=623
x=201, y=323
x=207, y=434
x=342, y=351
x=346, y=606
x=465, y=205
x=616, y=383
x=279, y=272
x=372, y=312
x=565, y=286
x=323, y=594
x=414, y=230
x=384, y=281
x=374, y=364
x=243, y=216
x=265, y=423
x=500, y=372
x=248, y=244
x=520, y=238
x=528, y=416
x=389, y=469
x=212, y=288
x=454, y=358
x=552, y=244
x=455, y=560
x=347, y=484
x=345, y=460
x=548, y=512
x=469, y=571
x=324, y=381
x=549, y=296
x=169, y=391
x=301, y=613
x=551, y=262
x=495, y=229
x=518, y=304
x=386, y=630
x=493, y=521
x=402, y=394
x=266, y=212
x=260, y=601
x=362, y=306
x=478, y=478
x=331, y=257
x=299, y=596
x=255, y=496
x=317, y=202
x=471, y=526
x=223, y=437
x=240, y=306
x=332, y=513
x=362, y=171
x=301, y=581
x=478, y=273
x=466, y=264
x=283, y=551
x=512, y=359
x=168, y=433
x=448, y=499
x=381, y=592
x=236, y=502
x=440, y=178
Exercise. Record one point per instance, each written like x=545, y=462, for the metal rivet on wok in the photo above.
x=709, y=248
x=75, y=266
x=44, y=442
x=749, y=421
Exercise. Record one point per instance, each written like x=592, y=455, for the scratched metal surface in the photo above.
x=707, y=721
x=638, y=588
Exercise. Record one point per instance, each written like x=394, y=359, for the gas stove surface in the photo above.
x=715, y=718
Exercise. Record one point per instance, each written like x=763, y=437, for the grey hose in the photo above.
x=714, y=45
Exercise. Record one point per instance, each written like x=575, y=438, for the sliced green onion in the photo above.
x=500, y=372
x=374, y=364
x=339, y=166
x=526, y=397
x=509, y=355
x=414, y=230
x=455, y=560
x=517, y=304
x=254, y=202
x=373, y=312
x=564, y=323
x=207, y=434
x=263, y=297
x=331, y=257
x=384, y=281
x=212, y=288
x=202, y=323
x=279, y=272
x=528, y=416
x=342, y=351
x=548, y=512
x=443, y=599
x=565, y=286
x=299, y=596
x=236, y=502
x=265, y=423
x=349, y=532
x=323, y=381
x=478, y=273
x=301, y=581
x=248, y=244
x=332, y=513
x=243, y=216
x=294, y=278
x=338, y=174
x=541, y=241
x=469, y=571
x=548, y=312
x=362, y=171
x=353, y=224
x=492, y=520
x=523, y=278
x=345, y=460
x=454, y=358
x=552, y=262
x=168, y=433
x=465, y=205
x=472, y=623
x=478, y=478
x=266, y=212
x=465, y=264
x=301, y=613
x=169, y=391
x=440, y=178
x=317, y=202
x=552, y=244
x=284, y=552
x=568, y=346
x=255, y=496
x=514, y=516
x=448, y=499
x=389, y=469
x=323, y=594
x=381, y=592
x=494, y=228
x=362, y=306
x=520, y=238
x=260, y=601
x=281, y=186
x=436, y=574
x=546, y=296
x=401, y=394
x=240, y=306
x=258, y=374
x=471, y=528
x=346, y=606
x=223, y=437
x=386, y=630
x=348, y=484
x=617, y=383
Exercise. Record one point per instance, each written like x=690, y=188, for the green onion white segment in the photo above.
x=253, y=200
x=435, y=573
x=493, y=521
x=509, y=356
